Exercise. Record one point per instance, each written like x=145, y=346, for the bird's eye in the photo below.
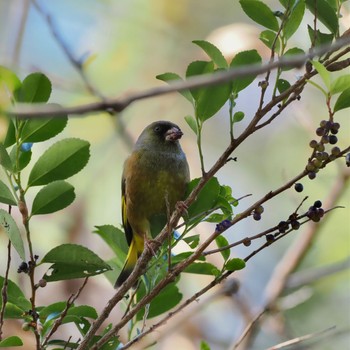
x=157, y=129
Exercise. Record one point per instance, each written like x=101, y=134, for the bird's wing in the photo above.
x=126, y=224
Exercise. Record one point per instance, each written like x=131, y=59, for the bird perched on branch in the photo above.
x=154, y=180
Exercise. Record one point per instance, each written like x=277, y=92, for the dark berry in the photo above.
x=320, y=212
x=335, y=151
x=319, y=155
x=299, y=187
x=313, y=143
x=323, y=123
x=325, y=139
x=329, y=124
x=42, y=283
x=317, y=163
x=320, y=131
x=318, y=204
x=311, y=175
x=247, y=242
x=333, y=139
x=23, y=267
x=310, y=167
x=320, y=147
x=324, y=155
x=270, y=238
x=283, y=226
x=335, y=126
x=256, y=216
x=295, y=224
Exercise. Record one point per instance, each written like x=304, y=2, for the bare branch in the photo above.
x=121, y=103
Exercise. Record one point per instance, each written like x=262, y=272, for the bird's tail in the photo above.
x=135, y=250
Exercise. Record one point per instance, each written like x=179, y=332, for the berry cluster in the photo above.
x=315, y=212
x=327, y=132
x=223, y=225
x=257, y=212
x=26, y=267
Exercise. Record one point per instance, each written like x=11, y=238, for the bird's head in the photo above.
x=160, y=133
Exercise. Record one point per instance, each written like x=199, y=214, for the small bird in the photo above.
x=154, y=179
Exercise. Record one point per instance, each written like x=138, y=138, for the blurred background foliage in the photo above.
x=124, y=45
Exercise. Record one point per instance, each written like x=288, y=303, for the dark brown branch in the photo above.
x=121, y=103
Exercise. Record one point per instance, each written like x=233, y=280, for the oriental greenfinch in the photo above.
x=154, y=179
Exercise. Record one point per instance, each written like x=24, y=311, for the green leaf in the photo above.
x=211, y=100
x=168, y=298
x=294, y=19
x=244, y=58
x=222, y=242
x=343, y=101
x=238, y=116
x=318, y=38
x=6, y=195
x=9, y=83
x=198, y=68
x=53, y=197
x=260, y=13
x=182, y=256
x=37, y=130
x=287, y=3
x=11, y=341
x=83, y=311
x=340, y=84
x=282, y=85
x=323, y=72
x=325, y=13
x=235, y=264
x=73, y=261
x=202, y=268
x=191, y=123
x=17, y=304
x=269, y=39
x=23, y=159
x=5, y=160
x=216, y=218
x=205, y=200
x=291, y=52
x=192, y=241
x=10, y=138
x=115, y=239
x=52, y=311
x=62, y=160
x=36, y=88
x=170, y=77
x=204, y=345
x=213, y=52
x=10, y=227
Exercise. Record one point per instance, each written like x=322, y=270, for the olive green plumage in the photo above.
x=154, y=179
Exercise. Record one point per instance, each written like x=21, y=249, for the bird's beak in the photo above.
x=173, y=134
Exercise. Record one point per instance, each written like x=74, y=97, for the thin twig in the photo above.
x=119, y=104
x=79, y=66
x=302, y=339
x=59, y=320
